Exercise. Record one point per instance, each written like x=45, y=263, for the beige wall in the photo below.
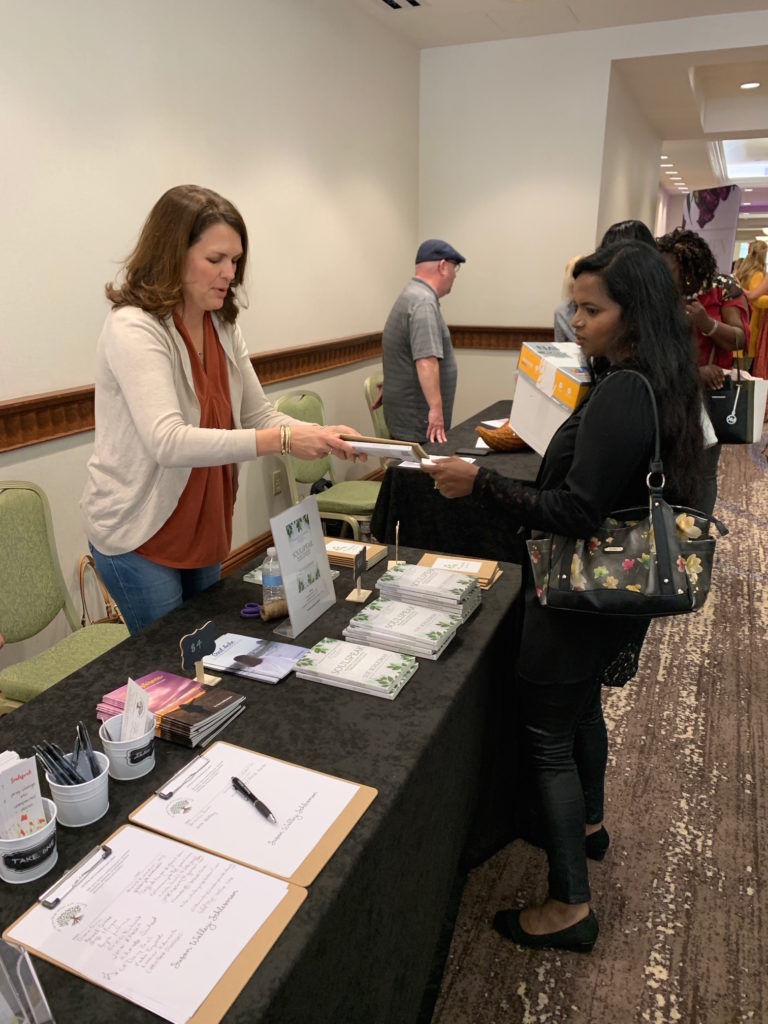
x=630, y=172
x=512, y=143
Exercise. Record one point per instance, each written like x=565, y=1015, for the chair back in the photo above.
x=371, y=388
x=307, y=406
x=32, y=591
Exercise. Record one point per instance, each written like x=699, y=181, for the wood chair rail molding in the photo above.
x=32, y=419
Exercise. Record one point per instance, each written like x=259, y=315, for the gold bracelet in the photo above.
x=288, y=439
x=282, y=439
x=712, y=329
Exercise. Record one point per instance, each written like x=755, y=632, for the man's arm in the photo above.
x=429, y=380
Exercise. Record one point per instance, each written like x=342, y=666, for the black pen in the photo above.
x=260, y=807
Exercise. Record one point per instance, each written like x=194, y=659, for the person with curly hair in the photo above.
x=714, y=303
x=628, y=316
x=718, y=315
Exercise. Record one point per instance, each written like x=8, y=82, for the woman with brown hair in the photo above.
x=178, y=406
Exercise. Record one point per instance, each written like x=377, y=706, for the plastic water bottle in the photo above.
x=271, y=579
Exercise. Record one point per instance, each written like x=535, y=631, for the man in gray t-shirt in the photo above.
x=419, y=364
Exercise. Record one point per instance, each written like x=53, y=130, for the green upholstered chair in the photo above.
x=371, y=388
x=351, y=501
x=33, y=592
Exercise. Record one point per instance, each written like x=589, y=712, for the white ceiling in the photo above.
x=692, y=100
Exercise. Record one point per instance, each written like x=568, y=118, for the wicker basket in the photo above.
x=501, y=439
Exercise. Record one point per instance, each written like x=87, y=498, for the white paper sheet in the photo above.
x=307, y=580
x=209, y=812
x=156, y=922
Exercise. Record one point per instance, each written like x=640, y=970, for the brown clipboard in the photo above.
x=235, y=977
x=322, y=851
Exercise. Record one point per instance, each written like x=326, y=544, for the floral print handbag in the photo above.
x=644, y=561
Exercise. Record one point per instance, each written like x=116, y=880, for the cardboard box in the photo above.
x=551, y=383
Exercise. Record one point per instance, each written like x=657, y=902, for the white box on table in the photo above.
x=552, y=381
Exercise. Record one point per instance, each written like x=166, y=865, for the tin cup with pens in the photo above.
x=78, y=781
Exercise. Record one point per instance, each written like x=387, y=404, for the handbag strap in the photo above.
x=113, y=613
x=656, y=466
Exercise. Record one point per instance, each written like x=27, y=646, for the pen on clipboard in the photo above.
x=252, y=798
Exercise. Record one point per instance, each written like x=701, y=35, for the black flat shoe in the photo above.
x=578, y=938
x=596, y=843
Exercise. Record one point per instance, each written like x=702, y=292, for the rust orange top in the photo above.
x=199, y=530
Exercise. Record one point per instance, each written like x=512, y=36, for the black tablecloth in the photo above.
x=457, y=527
x=362, y=947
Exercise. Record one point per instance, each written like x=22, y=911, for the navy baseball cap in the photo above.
x=435, y=249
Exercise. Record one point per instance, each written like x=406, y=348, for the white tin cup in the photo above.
x=30, y=857
x=84, y=803
x=128, y=759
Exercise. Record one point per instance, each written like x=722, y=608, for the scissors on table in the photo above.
x=250, y=610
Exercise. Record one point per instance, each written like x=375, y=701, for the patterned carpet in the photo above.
x=682, y=906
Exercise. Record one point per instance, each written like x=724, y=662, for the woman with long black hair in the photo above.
x=628, y=315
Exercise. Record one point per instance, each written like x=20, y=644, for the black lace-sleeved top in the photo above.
x=596, y=463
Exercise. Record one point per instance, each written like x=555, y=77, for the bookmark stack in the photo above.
x=382, y=673
x=407, y=628
x=341, y=553
x=486, y=570
x=433, y=588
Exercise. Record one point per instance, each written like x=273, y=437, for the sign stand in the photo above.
x=194, y=647
x=359, y=595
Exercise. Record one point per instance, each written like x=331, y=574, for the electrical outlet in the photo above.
x=277, y=482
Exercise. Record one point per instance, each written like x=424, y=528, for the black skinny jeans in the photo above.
x=567, y=739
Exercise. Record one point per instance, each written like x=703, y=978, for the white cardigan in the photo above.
x=148, y=436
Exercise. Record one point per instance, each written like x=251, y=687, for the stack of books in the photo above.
x=434, y=588
x=185, y=711
x=200, y=719
x=341, y=553
x=356, y=667
x=164, y=691
x=486, y=570
x=267, y=661
x=407, y=628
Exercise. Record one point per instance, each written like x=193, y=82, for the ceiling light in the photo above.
x=749, y=190
x=746, y=204
x=666, y=165
x=749, y=85
x=673, y=173
x=664, y=156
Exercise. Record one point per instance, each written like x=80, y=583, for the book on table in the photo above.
x=350, y=666
x=341, y=553
x=486, y=570
x=434, y=588
x=200, y=718
x=266, y=661
x=165, y=690
x=407, y=628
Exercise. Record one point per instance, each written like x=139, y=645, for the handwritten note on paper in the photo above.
x=157, y=922
x=209, y=813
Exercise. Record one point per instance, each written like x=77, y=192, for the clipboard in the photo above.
x=232, y=981
x=316, y=859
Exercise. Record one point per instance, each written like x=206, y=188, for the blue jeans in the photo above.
x=145, y=591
